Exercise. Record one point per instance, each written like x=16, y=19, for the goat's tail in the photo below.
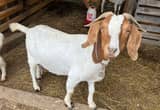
x=1, y=40
x=16, y=26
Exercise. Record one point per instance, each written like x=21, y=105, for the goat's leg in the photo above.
x=39, y=72
x=33, y=75
x=3, y=70
x=91, y=90
x=71, y=83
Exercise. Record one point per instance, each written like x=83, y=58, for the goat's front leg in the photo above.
x=91, y=90
x=71, y=83
x=3, y=70
x=33, y=75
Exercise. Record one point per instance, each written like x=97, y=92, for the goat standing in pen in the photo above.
x=61, y=53
x=2, y=62
x=117, y=5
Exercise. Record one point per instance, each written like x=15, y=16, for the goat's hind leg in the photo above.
x=33, y=67
x=3, y=69
x=33, y=75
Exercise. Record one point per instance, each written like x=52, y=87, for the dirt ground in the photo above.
x=127, y=85
x=9, y=105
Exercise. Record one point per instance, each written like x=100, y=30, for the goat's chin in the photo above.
x=134, y=57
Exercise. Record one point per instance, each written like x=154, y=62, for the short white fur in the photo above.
x=114, y=32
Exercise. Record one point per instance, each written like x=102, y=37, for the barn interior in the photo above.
x=127, y=85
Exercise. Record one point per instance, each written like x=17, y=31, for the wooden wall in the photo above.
x=17, y=10
x=148, y=15
x=130, y=6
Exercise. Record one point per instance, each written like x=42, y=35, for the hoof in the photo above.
x=39, y=78
x=37, y=89
x=3, y=79
x=94, y=108
x=70, y=108
x=72, y=104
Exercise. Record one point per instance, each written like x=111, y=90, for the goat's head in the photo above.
x=109, y=38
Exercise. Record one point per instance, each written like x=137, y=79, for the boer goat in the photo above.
x=62, y=53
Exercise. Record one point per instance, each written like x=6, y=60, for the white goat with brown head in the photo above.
x=112, y=33
x=61, y=53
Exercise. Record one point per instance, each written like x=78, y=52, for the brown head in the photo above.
x=108, y=45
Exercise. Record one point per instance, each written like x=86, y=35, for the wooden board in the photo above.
x=23, y=15
x=130, y=6
x=148, y=15
x=146, y=19
x=4, y=2
x=148, y=11
x=32, y=2
x=150, y=3
x=151, y=28
x=10, y=11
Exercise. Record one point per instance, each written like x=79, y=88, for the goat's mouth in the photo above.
x=112, y=52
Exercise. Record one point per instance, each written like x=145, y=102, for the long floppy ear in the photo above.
x=95, y=27
x=97, y=53
x=102, y=16
x=134, y=42
x=92, y=34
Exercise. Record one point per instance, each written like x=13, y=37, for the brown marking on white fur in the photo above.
x=102, y=42
x=131, y=38
x=124, y=34
x=99, y=36
x=92, y=34
x=105, y=36
x=134, y=42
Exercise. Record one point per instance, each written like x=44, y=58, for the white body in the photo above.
x=2, y=62
x=61, y=54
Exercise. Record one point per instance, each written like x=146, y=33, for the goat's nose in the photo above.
x=112, y=50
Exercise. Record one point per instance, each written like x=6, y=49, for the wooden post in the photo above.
x=130, y=6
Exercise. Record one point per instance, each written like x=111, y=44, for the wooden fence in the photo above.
x=148, y=15
x=17, y=10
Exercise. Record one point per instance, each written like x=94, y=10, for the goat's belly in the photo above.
x=54, y=64
x=55, y=67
